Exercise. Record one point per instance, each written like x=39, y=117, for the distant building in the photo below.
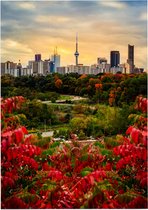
x=138, y=70
x=76, y=52
x=51, y=67
x=94, y=69
x=101, y=61
x=46, y=67
x=2, y=68
x=100, y=68
x=114, y=58
x=19, y=68
x=80, y=69
x=130, y=59
x=9, y=68
x=115, y=70
x=62, y=70
x=38, y=57
x=55, y=58
x=26, y=71
x=127, y=68
x=35, y=67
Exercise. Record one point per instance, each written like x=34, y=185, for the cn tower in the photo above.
x=76, y=53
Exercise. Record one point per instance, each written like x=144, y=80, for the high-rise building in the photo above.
x=8, y=67
x=80, y=69
x=114, y=58
x=2, y=68
x=19, y=67
x=51, y=66
x=101, y=61
x=55, y=58
x=130, y=59
x=62, y=70
x=38, y=57
x=46, y=67
x=76, y=53
x=35, y=67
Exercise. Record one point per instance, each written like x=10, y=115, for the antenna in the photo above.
x=76, y=53
x=77, y=37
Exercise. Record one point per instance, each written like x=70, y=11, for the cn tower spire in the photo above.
x=76, y=53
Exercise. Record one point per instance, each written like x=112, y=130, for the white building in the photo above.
x=11, y=68
x=62, y=70
x=27, y=71
x=114, y=70
x=80, y=69
x=100, y=68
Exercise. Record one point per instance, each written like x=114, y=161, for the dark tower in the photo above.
x=19, y=67
x=130, y=59
x=114, y=58
x=76, y=53
x=38, y=57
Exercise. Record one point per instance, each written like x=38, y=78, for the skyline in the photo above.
x=102, y=26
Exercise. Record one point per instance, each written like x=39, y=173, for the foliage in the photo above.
x=62, y=175
x=113, y=89
x=39, y=114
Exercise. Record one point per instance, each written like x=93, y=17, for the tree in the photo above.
x=58, y=83
x=78, y=124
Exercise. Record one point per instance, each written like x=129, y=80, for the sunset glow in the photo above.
x=38, y=27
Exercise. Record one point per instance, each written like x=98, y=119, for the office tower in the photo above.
x=19, y=67
x=76, y=53
x=80, y=69
x=130, y=59
x=35, y=67
x=38, y=57
x=51, y=66
x=55, y=58
x=46, y=66
x=2, y=69
x=101, y=61
x=114, y=58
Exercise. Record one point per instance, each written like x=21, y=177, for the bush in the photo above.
x=62, y=132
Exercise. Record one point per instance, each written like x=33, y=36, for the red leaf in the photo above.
x=129, y=130
x=15, y=203
x=135, y=135
x=18, y=135
x=24, y=130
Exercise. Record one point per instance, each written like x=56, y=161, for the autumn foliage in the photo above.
x=72, y=176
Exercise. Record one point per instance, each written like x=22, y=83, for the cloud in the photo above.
x=102, y=26
x=11, y=46
x=27, y=6
x=116, y=5
x=51, y=19
x=144, y=16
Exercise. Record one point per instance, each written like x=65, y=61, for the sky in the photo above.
x=32, y=27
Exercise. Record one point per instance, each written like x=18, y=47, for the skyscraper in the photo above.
x=19, y=67
x=76, y=53
x=130, y=59
x=56, y=59
x=38, y=57
x=114, y=58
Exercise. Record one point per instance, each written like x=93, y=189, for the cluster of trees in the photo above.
x=107, y=88
x=100, y=121
x=38, y=174
x=84, y=120
x=40, y=115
